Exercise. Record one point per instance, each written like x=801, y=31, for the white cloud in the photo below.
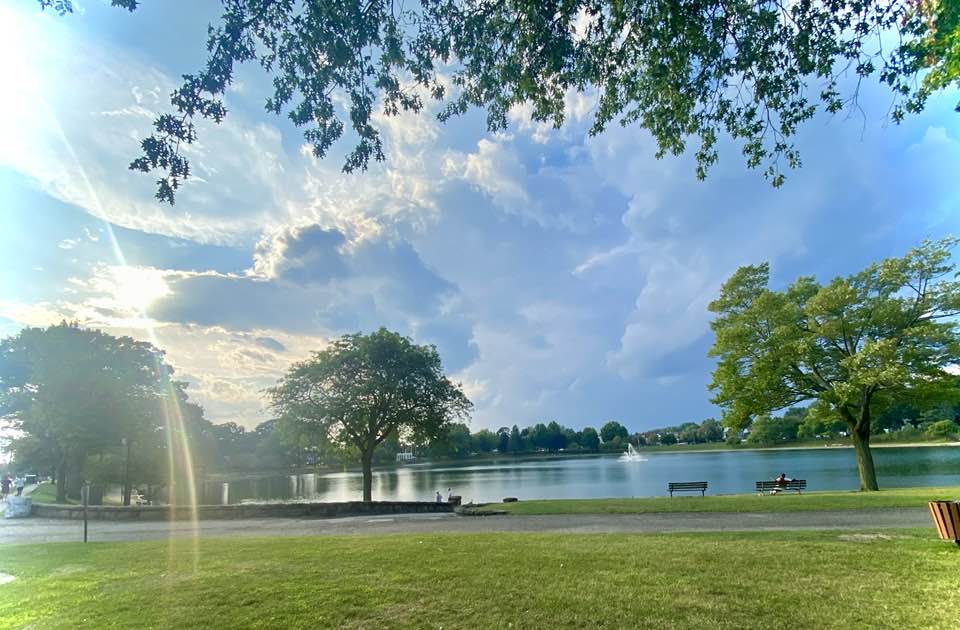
x=562, y=275
x=226, y=369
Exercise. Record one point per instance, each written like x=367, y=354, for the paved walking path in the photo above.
x=39, y=530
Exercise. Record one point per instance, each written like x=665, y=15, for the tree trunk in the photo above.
x=126, y=476
x=367, y=462
x=74, y=480
x=861, y=444
x=62, y=480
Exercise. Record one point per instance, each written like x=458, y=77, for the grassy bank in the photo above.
x=784, y=502
x=46, y=492
x=898, y=579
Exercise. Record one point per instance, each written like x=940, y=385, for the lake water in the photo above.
x=604, y=476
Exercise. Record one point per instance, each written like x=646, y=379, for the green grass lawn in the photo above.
x=902, y=578
x=783, y=502
x=46, y=492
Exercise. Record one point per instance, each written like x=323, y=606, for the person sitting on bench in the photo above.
x=781, y=482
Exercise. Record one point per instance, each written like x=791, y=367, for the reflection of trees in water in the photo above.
x=386, y=482
x=615, y=474
x=932, y=464
x=733, y=472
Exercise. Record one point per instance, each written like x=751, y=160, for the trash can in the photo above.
x=95, y=496
x=946, y=516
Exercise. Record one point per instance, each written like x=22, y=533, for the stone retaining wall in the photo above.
x=244, y=510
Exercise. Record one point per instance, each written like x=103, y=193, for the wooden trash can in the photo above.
x=946, y=516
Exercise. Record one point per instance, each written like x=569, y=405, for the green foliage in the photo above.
x=75, y=393
x=515, y=443
x=362, y=389
x=454, y=441
x=710, y=431
x=768, y=430
x=818, y=424
x=684, y=71
x=689, y=433
x=935, y=47
x=615, y=445
x=503, y=439
x=484, y=441
x=855, y=346
x=589, y=439
x=668, y=438
x=943, y=430
x=613, y=429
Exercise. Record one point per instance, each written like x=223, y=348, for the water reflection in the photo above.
x=585, y=477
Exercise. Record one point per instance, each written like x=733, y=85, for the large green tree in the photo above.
x=72, y=392
x=854, y=346
x=362, y=389
x=685, y=70
x=612, y=430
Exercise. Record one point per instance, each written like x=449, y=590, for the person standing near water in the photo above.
x=5, y=484
x=439, y=497
x=20, y=482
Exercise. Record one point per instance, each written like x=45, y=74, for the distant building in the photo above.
x=406, y=457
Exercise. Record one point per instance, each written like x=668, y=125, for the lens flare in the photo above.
x=178, y=441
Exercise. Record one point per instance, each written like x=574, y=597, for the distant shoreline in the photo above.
x=799, y=447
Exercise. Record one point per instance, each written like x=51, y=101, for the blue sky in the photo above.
x=560, y=276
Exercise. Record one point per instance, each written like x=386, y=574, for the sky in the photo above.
x=560, y=276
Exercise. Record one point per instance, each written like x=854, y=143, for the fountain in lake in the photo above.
x=632, y=455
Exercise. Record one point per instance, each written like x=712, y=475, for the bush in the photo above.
x=942, y=430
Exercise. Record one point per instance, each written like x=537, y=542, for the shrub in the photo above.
x=943, y=430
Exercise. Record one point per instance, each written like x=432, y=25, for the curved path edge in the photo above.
x=40, y=530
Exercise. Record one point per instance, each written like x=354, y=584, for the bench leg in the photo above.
x=703, y=493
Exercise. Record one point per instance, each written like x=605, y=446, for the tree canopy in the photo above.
x=73, y=392
x=855, y=346
x=363, y=389
x=612, y=430
x=688, y=72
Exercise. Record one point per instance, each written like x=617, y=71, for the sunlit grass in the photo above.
x=782, y=502
x=46, y=492
x=902, y=578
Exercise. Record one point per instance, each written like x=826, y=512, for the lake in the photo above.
x=584, y=477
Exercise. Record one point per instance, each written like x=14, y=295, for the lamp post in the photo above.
x=126, y=472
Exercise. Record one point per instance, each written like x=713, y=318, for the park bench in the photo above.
x=764, y=487
x=687, y=486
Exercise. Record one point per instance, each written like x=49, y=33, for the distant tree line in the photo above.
x=550, y=437
x=902, y=421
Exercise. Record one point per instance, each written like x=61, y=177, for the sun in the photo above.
x=136, y=288
x=17, y=53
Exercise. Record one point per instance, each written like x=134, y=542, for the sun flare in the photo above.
x=135, y=288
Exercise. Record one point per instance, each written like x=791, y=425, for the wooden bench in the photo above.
x=764, y=487
x=687, y=486
x=946, y=516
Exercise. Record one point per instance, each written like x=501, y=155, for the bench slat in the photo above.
x=795, y=484
x=685, y=486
